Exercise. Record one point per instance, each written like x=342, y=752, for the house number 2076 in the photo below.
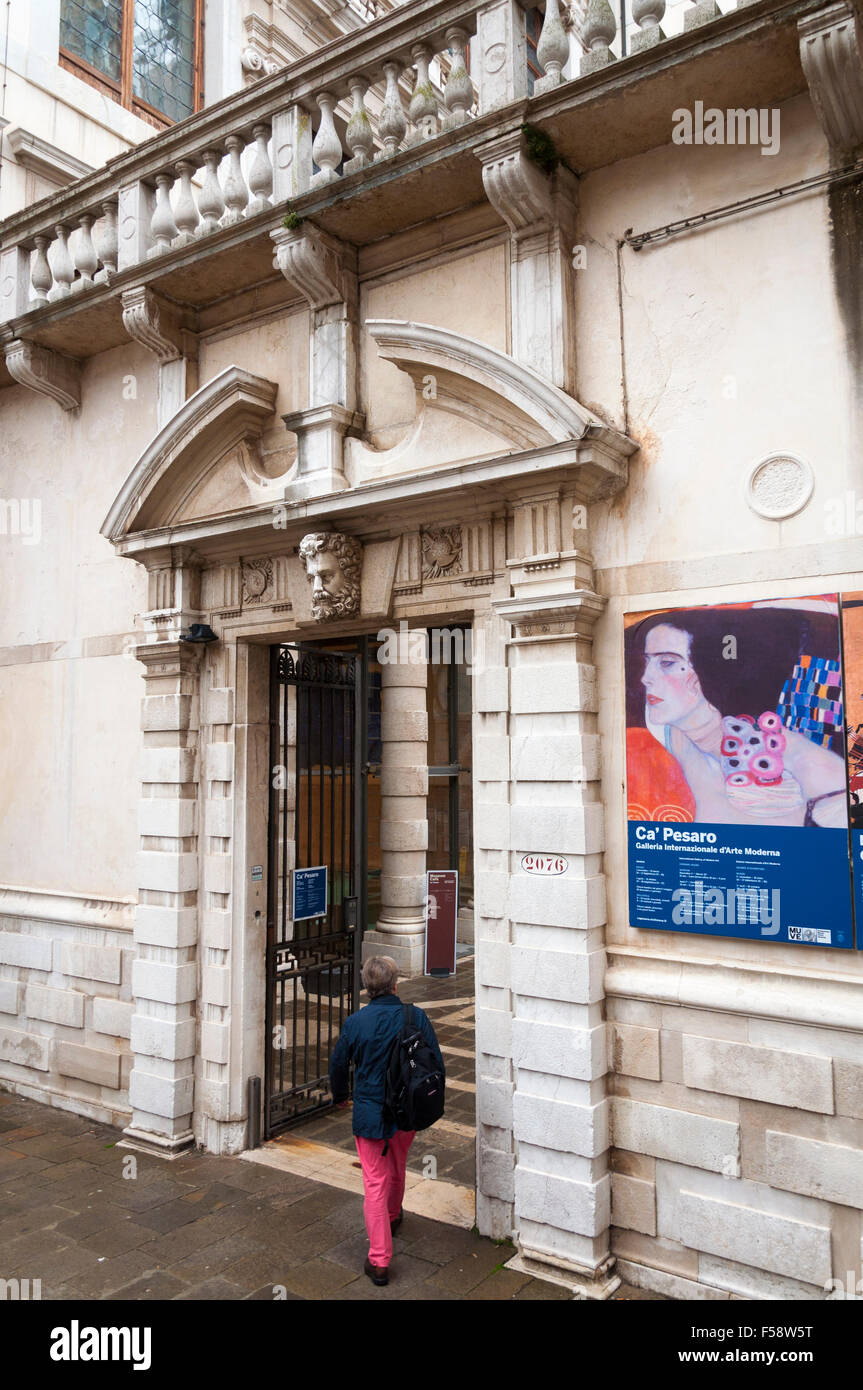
x=544, y=864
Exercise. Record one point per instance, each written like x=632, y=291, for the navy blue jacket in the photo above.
x=367, y=1040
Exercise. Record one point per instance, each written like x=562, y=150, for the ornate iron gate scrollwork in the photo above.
x=316, y=817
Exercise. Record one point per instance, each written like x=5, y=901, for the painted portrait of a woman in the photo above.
x=734, y=715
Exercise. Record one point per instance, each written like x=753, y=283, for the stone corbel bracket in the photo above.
x=45, y=371
x=323, y=269
x=831, y=52
x=527, y=199
x=151, y=324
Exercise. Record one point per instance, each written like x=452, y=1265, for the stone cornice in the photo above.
x=172, y=658
x=817, y=998
x=383, y=507
x=74, y=909
x=45, y=159
x=549, y=614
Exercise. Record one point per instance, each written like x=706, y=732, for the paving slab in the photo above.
x=217, y=1228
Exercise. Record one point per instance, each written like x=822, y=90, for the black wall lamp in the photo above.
x=199, y=632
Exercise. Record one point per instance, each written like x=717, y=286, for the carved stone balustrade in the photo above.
x=419, y=90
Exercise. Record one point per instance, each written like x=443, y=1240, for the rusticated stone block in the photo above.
x=88, y=1064
x=633, y=1204
x=16, y=948
x=112, y=1017
x=584, y=1208
x=752, y=1237
x=103, y=963
x=833, y=1172
x=758, y=1073
x=635, y=1050
x=679, y=1135
x=24, y=1049
x=64, y=1006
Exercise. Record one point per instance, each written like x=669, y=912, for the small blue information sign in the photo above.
x=309, y=893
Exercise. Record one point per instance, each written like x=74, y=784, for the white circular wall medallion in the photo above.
x=779, y=486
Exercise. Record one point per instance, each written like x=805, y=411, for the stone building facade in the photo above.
x=510, y=311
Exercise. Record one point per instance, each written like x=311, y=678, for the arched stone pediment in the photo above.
x=481, y=384
x=208, y=451
x=205, y=466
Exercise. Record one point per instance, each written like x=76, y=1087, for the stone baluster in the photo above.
x=423, y=111
x=86, y=260
x=162, y=225
x=41, y=275
x=261, y=173
x=236, y=192
x=211, y=204
x=186, y=211
x=458, y=93
x=358, y=136
x=64, y=271
x=598, y=32
x=648, y=15
x=107, y=241
x=326, y=146
x=392, y=122
x=552, y=50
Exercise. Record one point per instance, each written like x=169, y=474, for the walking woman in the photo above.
x=367, y=1040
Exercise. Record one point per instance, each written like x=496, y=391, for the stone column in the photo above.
x=557, y=957
x=404, y=828
x=164, y=973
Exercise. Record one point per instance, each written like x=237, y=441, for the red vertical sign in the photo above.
x=441, y=914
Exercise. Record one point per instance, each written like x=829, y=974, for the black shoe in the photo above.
x=379, y=1274
x=396, y=1222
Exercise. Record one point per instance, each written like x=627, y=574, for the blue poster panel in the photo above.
x=309, y=893
x=737, y=788
x=852, y=651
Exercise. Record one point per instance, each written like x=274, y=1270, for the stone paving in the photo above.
x=210, y=1227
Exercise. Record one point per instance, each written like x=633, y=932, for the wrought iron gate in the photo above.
x=316, y=817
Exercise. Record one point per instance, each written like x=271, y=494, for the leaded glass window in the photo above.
x=143, y=52
x=92, y=29
x=164, y=56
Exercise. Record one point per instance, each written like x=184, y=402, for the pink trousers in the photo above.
x=384, y=1183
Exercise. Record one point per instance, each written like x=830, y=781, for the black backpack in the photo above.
x=414, y=1085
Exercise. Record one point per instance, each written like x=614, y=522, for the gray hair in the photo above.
x=380, y=975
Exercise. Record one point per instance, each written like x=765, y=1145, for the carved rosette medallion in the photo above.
x=441, y=546
x=257, y=581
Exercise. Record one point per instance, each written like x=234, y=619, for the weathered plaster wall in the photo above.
x=736, y=1124
x=70, y=695
x=443, y=294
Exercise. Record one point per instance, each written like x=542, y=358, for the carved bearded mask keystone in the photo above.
x=333, y=566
